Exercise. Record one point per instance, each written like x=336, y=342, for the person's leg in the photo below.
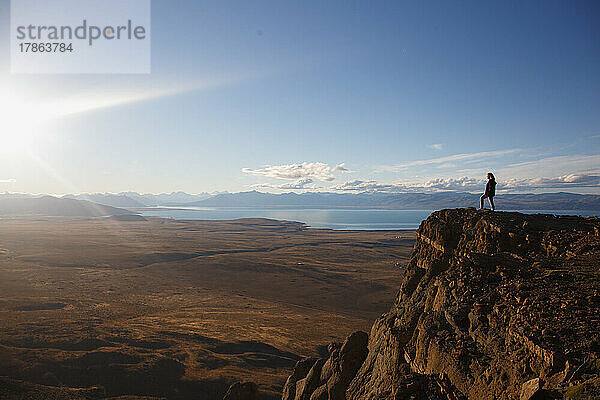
x=491, y=198
x=481, y=201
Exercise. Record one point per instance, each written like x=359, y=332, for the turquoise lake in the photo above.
x=353, y=219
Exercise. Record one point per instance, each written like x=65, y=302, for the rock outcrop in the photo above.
x=242, y=391
x=323, y=379
x=493, y=305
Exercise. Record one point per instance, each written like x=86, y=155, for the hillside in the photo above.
x=401, y=201
x=55, y=207
x=492, y=306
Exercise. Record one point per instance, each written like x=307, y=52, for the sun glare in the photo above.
x=21, y=124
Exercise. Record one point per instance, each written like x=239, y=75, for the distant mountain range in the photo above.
x=254, y=199
x=114, y=200
x=166, y=199
x=56, y=207
x=403, y=201
x=137, y=200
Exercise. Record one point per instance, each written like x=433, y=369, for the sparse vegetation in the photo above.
x=182, y=309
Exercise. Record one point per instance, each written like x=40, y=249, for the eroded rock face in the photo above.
x=300, y=371
x=490, y=302
x=323, y=379
x=242, y=391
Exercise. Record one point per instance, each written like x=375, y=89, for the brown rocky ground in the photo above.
x=493, y=305
x=180, y=309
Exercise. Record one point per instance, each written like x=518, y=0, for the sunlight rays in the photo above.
x=27, y=116
x=23, y=121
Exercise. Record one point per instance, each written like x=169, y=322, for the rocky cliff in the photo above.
x=493, y=305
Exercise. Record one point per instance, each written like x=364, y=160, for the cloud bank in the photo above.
x=560, y=182
x=469, y=184
x=553, y=173
x=465, y=184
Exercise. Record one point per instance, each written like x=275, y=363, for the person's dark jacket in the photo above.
x=490, y=188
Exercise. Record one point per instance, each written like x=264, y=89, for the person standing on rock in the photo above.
x=490, y=191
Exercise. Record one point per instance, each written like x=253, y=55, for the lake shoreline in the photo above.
x=359, y=219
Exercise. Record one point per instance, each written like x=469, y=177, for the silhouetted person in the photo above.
x=490, y=191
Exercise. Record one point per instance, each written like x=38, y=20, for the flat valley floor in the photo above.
x=181, y=309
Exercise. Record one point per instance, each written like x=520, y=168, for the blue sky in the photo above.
x=334, y=95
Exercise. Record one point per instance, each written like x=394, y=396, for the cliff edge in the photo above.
x=493, y=305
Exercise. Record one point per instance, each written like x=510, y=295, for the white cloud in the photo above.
x=314, y=170
x=464, y=184
x=465, y=157
x=370, y=186
x=435, y=146
x=8, y=180
x=341, y=168
x=300, y=184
